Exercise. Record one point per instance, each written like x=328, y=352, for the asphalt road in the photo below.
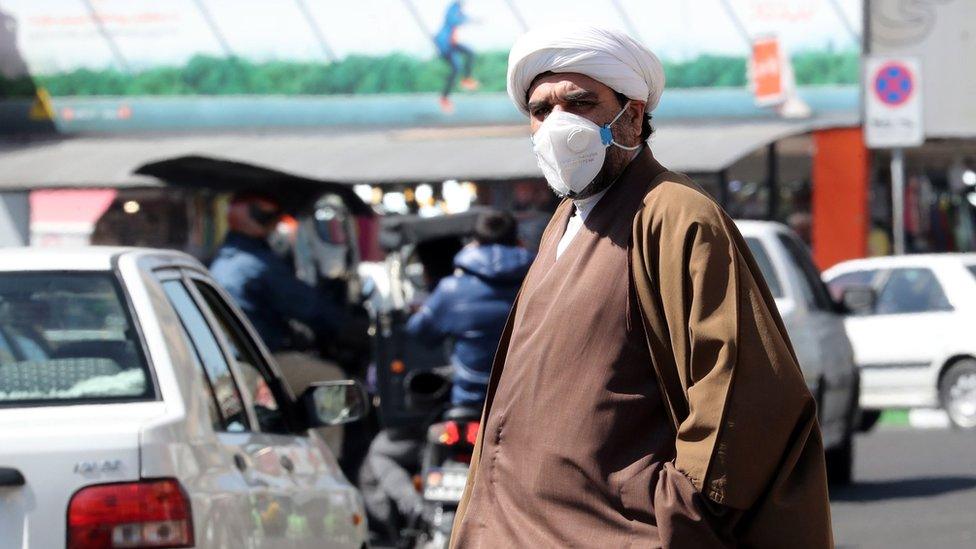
x=913, y=489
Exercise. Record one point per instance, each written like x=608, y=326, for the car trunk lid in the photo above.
x=56, y=450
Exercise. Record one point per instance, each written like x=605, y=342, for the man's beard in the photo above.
x=614, y=165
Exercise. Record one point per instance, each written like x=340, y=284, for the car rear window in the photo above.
x=765, y=265
x=67, y=338
x=812, y=286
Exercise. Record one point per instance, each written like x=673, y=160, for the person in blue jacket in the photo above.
x=471, y=306
x=459, y=57
x=262, y=283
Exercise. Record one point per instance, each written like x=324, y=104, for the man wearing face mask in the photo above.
x=261, y=282
x=644, y=393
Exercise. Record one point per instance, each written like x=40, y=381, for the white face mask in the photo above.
x=571, y=149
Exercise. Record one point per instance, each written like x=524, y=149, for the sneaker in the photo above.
x=470, y=84
x=447, y=106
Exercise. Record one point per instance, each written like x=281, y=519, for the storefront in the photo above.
x=157, y=193
x=940, y=198
x=763, y=169
x=757, y=168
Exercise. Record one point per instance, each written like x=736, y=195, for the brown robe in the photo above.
x=645, y=393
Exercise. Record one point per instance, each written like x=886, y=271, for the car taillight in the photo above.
x=450, y=433
x=150, y=513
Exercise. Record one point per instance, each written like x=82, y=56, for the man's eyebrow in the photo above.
x=538, y=103
x=578, y=95
x=575, y=95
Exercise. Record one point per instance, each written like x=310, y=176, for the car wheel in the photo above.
x=869, y=418
x=840, y=460
x=957, y=391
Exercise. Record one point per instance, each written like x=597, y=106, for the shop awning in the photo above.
x=415, y=155
x=294, y=193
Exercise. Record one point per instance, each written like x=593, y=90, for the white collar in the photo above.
x=584, y=206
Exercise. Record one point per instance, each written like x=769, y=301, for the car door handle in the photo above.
x=288, y=464
x=11, y=477
x=240, y=462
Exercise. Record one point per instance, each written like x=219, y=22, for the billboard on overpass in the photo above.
x=125, y=63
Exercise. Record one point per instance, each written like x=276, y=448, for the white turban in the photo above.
x=607, y=56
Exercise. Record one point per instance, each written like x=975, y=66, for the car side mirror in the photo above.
x=334, y=402
x=859, y=300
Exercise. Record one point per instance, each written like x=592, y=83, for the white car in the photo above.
x=139, y=409
x=815, y=324
x=914, y=344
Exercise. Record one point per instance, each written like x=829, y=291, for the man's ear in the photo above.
x=637, y=112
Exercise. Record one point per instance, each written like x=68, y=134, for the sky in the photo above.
x=57, y=35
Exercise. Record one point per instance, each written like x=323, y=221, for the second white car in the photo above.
x=914, y=344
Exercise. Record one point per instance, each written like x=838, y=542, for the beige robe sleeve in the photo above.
x=747, y=433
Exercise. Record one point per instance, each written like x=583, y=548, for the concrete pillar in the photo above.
x=841, y=216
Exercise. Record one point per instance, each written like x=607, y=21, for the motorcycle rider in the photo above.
x=471, y=306
x=266, y=289
x=262, y=283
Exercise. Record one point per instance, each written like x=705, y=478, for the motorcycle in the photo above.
x=411, y=383
x=446, y=456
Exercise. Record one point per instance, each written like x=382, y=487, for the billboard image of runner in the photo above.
x=127, y=64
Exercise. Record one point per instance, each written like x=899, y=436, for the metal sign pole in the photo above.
x=898, y=199
x=214, y=27
x=517, y=15
x=417, y=18
x=107, y=36
x=626, y=19
x=737, y=23
x=316, y=31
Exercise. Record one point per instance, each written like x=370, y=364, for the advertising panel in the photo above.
x=145, y=64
